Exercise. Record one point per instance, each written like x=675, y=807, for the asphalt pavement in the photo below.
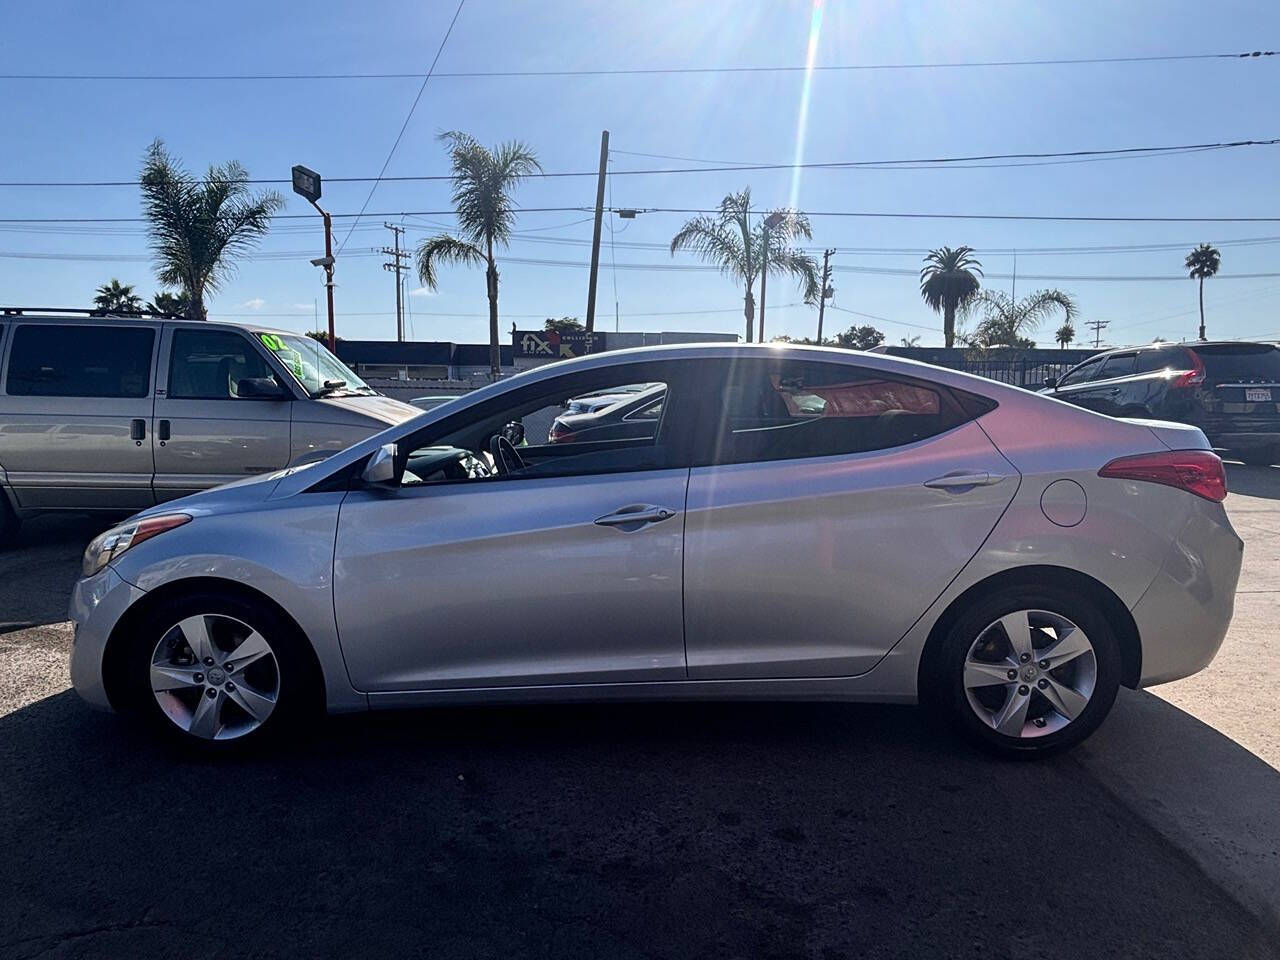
x=670, y=830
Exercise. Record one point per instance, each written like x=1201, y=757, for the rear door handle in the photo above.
x=954, y=480
x=635, y=513
x=138, y=430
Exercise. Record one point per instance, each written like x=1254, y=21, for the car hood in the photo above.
x=363, y=409
x=229, y=497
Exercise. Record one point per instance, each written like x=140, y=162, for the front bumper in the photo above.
x=1184, y=614
x=97, y=604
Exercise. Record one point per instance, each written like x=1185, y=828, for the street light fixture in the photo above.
x=306, y=184
x=771, y=221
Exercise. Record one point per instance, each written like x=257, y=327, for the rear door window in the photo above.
x=1240, y=363
x=785, y=410
x=1151, y=361
x=77, y=360
x=1119, y=365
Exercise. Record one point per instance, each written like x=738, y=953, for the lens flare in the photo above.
x=802, y=120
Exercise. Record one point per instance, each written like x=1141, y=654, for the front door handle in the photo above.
x=954, y=480
x=636, y=513
x=162, y=430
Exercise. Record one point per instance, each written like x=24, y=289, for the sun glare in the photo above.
x=802, y=118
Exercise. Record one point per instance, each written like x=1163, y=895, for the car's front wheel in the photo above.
x=217, y=672
x=1027, y=670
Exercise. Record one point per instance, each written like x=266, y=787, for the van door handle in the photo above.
x=137, y=430
x=635, y=513
x=953, y=481
x=162, y=430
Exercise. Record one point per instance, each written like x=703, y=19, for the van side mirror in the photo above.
x=1050, y=382
x=260, y=388
x=380, y=471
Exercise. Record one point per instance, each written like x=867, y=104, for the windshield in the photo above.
x=313, y=366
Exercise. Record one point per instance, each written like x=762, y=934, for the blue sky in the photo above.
x=61, y=130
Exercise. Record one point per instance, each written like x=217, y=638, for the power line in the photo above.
x=640, y=71
x=872, y=316
x=404, y=126
x=916, y=163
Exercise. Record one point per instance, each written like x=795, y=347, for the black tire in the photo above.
x=300, y=695
x=943, y=688
x=9, y=523
x=1263, y=457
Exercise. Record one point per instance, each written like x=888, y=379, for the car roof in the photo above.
x=39, y=315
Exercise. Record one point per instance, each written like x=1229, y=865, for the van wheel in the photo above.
x=214, y=672
x=9, y=523
x=1026, y=671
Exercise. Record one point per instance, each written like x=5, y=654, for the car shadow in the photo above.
x=38, y=571
x=1254, y=481
x=659, y=830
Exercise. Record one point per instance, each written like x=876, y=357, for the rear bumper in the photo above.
x=1184, y=614
x=1239, y=440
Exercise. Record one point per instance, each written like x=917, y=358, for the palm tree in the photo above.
x=1202, y=263
x=731, y=242
x=198, y=228
x=1005, y=322
x=948, y=283
x=483, y=182
x=117, y=297
x=911, y=341
x=171, y=303
x=1066, y=334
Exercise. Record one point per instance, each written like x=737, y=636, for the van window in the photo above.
x=76, y=360
x=209, y=364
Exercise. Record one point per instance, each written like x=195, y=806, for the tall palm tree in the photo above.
x=911, y=341
x=1202, y=263
x=731, y=242
x=198, y=228
x=483, y=183
x=117, y=297
x=1005, y=322
x=948, y=281
x=1065, y=334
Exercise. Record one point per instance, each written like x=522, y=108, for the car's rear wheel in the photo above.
x=215, y=672
x=1027, y=670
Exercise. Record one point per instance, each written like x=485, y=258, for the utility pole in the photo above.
x=595, y=235
x=399, y=267
x=1097, y=326
x=826, y=289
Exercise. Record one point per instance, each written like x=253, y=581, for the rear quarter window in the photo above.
x=77, y=360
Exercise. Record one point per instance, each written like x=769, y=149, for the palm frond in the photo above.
x=802, y=267
x=715, y=242
x=444, y=249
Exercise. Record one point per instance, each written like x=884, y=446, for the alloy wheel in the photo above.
x=1030, y=673
x=215, y=677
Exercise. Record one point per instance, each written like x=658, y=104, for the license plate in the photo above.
x=1257, y=394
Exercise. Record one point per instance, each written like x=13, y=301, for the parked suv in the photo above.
x=1229, y=390
x=116, y=412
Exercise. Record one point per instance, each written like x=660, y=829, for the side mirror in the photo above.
x=260, y=388
x=1050, y=383
x=380, y=471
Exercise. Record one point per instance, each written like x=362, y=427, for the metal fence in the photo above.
x=1021, y=368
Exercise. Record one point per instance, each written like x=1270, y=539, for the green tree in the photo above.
x=1005, y=322
x=730, y=241
x=483, y=183
x=563, y=325
x=171, y=303
x=322, y=336
x=948, y=282
x=1202, y=263
x=117, y=297
x=1065, y=334
x=910, y=341
x=199, y=228
x=858, y=338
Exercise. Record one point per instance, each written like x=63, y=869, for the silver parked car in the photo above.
x=799, y=523
x=119, y=412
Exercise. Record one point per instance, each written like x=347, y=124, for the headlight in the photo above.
x=110, y=545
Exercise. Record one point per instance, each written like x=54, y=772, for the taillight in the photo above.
x=1196, y=471
x=1193, y=377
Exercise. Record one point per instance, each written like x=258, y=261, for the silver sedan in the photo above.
x=792, y=523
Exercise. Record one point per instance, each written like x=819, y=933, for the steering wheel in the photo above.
x=504, y=454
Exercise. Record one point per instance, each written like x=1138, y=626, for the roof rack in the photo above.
x=83, y=312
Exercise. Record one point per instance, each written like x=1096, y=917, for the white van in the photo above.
x=116, y=412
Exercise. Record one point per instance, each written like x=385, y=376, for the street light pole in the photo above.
x=306, y=184
x=770, y=221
